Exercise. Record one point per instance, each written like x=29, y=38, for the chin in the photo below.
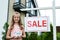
x=16, y=21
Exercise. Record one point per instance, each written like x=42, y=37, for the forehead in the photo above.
x=16, y=14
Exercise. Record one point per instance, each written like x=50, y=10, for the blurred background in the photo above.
x=7, y=8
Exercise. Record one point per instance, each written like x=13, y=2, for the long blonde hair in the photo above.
x=19, y=22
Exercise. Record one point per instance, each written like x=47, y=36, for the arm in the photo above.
x=24, y=35
x=8, y=33
x=23, y=32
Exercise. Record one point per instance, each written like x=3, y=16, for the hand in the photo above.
x=16, y=37
x=13, y=37
x=19, y=36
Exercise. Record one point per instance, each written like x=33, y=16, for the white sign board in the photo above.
x=35, y=24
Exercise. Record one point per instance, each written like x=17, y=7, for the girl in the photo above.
x=16, y=29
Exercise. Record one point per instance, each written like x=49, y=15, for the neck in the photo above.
x=15, y=23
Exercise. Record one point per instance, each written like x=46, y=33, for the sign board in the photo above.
x=35, y=24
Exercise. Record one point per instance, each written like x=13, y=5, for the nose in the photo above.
x=16, y=18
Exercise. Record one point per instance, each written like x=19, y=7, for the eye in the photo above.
x=17, y=17
x=14, y=17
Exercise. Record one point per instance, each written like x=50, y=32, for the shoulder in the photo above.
x=22, y=26
x=9, y=27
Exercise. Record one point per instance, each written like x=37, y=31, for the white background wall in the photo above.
x=3, y=14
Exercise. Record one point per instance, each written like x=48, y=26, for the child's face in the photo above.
x=16, y=18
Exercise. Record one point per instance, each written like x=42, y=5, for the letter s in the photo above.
x=29, y=24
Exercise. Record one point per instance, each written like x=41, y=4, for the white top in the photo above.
x=16, y=31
